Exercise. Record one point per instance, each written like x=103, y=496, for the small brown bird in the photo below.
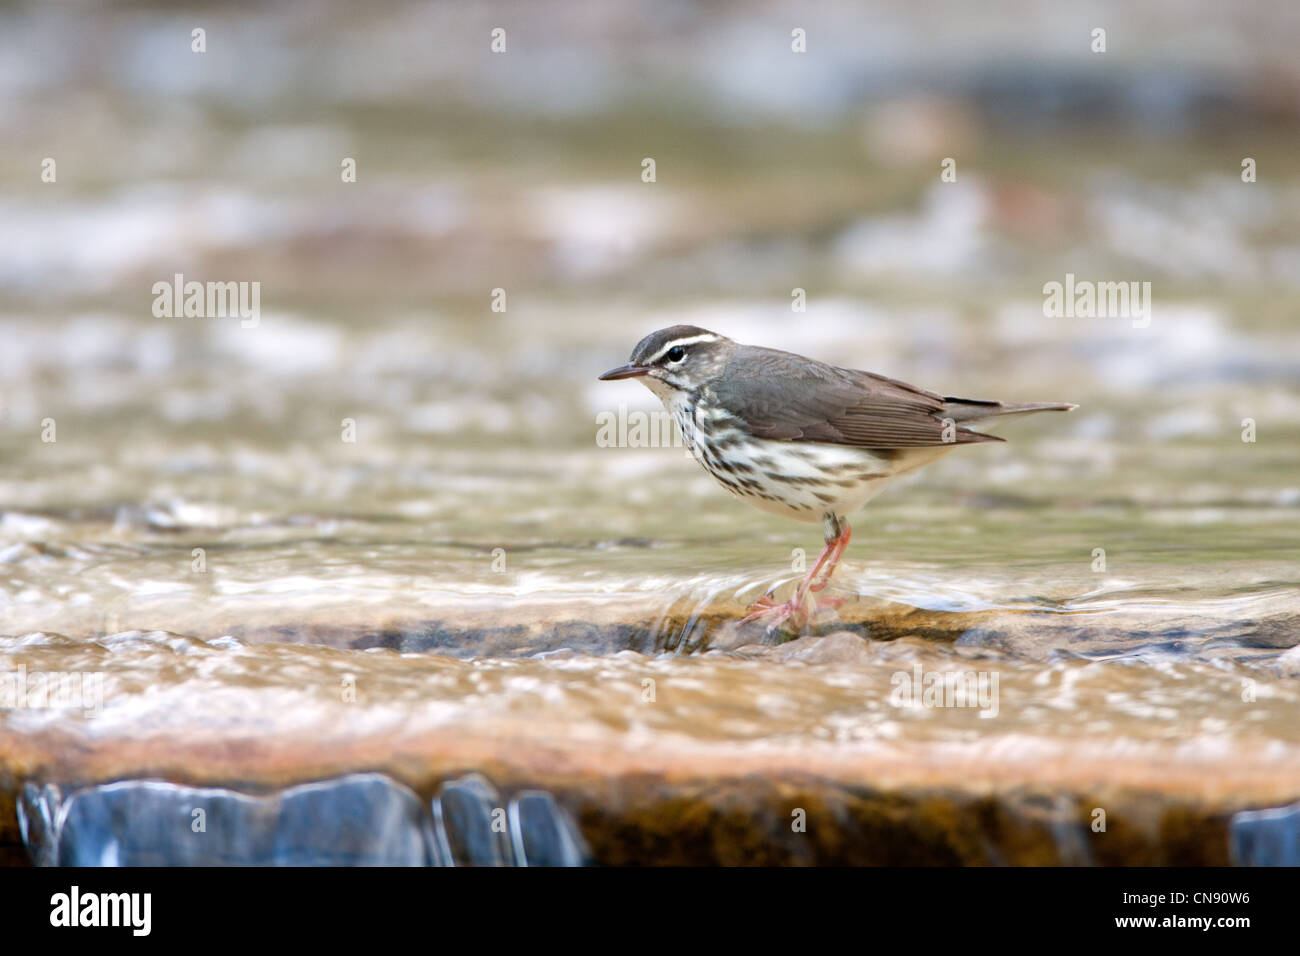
x=800, y=438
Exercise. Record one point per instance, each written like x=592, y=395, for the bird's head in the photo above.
x=682, y=357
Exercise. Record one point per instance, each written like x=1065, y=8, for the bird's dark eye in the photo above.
x=676, y=353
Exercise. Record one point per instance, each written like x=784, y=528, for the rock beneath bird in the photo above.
x=839, y=647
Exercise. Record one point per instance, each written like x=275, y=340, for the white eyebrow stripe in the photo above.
x=676, y=342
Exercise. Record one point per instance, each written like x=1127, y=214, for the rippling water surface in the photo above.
x=493, y=585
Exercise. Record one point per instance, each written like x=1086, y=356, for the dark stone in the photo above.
x=1266, y=837
x=359, y=820
x=541, y=834
x=464, y=814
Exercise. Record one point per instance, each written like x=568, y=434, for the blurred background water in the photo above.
x=475, y=560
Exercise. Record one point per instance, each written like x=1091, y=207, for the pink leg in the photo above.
x=836, y=549
x=815, y=580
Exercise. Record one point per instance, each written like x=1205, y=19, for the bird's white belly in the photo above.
x=799, y=480
x=804, y=481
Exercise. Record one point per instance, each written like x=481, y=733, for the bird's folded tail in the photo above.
x=974, y=410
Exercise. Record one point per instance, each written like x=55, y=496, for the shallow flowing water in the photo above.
x=475, y=585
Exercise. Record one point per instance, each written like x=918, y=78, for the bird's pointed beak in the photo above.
x=630, y=370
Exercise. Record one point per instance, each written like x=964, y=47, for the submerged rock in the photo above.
x=840, y=647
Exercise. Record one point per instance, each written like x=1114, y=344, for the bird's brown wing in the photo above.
x=782, y=396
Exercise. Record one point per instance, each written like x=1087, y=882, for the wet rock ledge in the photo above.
x=780, y=755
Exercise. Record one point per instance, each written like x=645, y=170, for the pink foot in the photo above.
x=795, y=610
x=766, y=608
